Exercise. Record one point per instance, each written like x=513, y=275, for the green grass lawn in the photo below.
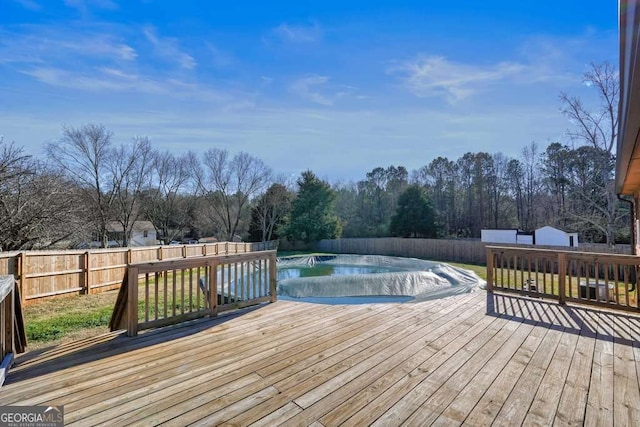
x=480, y=270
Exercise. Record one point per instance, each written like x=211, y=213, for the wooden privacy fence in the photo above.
x=42, y=274
x=167, y=292
x=569, y=276
x=467, y=251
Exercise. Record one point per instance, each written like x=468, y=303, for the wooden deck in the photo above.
x=472, y=359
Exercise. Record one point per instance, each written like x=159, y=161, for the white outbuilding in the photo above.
x=551, y=236
x=544, y=236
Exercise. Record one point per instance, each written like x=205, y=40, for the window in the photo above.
x=145, y=234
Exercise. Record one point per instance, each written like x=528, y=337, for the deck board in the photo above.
x=573, y=401
x=474, y=359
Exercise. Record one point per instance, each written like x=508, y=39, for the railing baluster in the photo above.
x=174, y=291
x=146, y=297
x=236, y=282
x=182, y=291
x=156, y=286
x=243, y=284
x=563, y=276
x=165, y=292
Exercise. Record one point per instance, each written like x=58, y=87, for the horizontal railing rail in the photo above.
x=168, y=292
x=600, y=279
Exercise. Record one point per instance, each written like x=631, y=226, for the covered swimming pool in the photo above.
x=349, y=279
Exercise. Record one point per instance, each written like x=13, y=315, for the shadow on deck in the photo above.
x=618, y=327
x=474, y=359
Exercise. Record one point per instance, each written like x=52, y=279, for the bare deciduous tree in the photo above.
x=84, y=154
x=131, y=170
x=598, y=128
x=37, y=206
x=169, y=200
x=226, y=186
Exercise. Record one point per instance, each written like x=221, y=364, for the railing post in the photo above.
x=490, y=267
x=132, y=304
x=273, y=278
x=8, y=307
x=562, y=276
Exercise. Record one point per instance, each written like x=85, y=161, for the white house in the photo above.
x=546, y=236
x=142, y=234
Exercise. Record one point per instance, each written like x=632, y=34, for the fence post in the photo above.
x=562, y=276
x=490, y=266
x=20, y=272
x=273, y=289
x=87, y=285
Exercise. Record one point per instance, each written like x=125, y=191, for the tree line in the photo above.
x=87, y=182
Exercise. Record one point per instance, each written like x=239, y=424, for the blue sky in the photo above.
x=338, y=87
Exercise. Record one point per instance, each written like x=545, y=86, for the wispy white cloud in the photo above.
x=29, y=4
x=45, y=44
x=85, y=5
x=320, y=90
x=298, y=33
x=562, y=60
x=169, y=49
x=218, y=57
x=105, y=79
x=309, y=89
x=429, y=76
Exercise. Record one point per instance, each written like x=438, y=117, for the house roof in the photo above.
x=116, y=227
x=208, y=240
x=628, y=146
x=556, y=229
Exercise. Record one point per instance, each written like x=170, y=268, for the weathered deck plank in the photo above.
x=599, y=411
x=573, y=401
x=470, y=359
x=626, y=393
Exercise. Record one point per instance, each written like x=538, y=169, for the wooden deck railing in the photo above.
x=581, y=277
x=12, y=334
x=48, y=274
x=167, y=292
